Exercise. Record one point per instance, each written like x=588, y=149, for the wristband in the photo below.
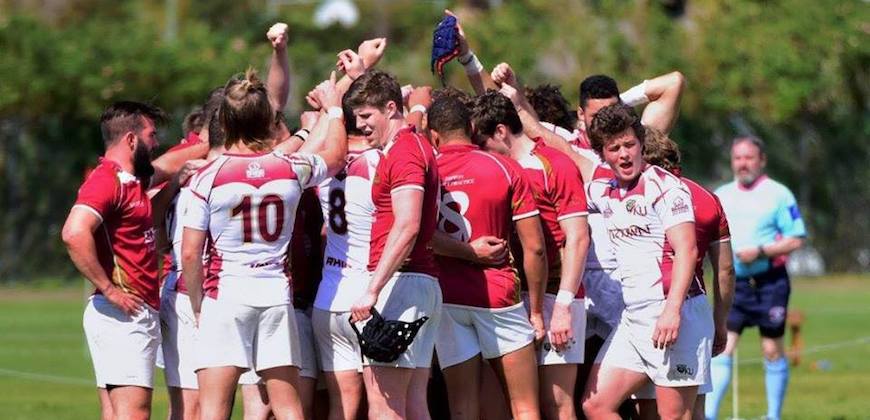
x=302, y=133
x=473, y=66
x=465, y=58
x=419, y=107
x=635, y=96
x=565, y=297
x=335, y=113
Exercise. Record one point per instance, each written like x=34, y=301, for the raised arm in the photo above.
x=335, y=143
x=662, y=96
x=169, y=163
x=419, y=102
x=479, y=78
x=369, y=54
x=278, y=82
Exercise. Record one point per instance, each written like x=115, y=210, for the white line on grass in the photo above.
x=819, y=348
x=66, y=380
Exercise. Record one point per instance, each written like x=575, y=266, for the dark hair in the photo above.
x=757, y=142
x=448, y=114
x=216, y=136
x=611, y=121
x=245, y=113
x=450, y=91
x=551, y=106
x=491, y=109
x=660, y=150
x=125, y=116
x=193, y=121
x=598, y=86
x=349, y=118
x=374, y=88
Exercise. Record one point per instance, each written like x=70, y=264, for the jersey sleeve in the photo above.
x=788, y=217
x=674, y=205
x=195, y=213
x=568, y=193
x=724, y=233
x=406, y=168
x=99, y=194
x=522, y=201
x=310, y=169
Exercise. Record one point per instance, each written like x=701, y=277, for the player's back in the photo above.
x=251, y=204
x=481, y=195
x=711, y=226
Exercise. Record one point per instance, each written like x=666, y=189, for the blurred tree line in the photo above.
x=794, y=72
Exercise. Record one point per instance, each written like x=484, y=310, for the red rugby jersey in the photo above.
x=408, y=163
x=125, y=241
x=710, y=224
x=481, y=195
x=559, y=195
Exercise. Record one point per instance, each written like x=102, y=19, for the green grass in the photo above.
x=45, y=371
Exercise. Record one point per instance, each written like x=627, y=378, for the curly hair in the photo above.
x=491, y=109
x=609, y=122
x=660, y=150
x=245, y=113
x=551, y=106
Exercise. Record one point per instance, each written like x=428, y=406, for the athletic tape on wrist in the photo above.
x=418, y=107
x=473, y=66
x=635, y=96
x=564, y=297
x=335, y=113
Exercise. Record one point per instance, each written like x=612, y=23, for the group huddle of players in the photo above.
x=554, y=257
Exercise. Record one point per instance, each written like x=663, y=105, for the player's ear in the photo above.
x=392, y=109
x=130, y=140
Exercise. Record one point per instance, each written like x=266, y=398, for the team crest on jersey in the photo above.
x=255, y=171
x=632, y=207
x=679, y=207
x=607, y=211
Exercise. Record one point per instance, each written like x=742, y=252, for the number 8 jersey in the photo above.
x=247, y=204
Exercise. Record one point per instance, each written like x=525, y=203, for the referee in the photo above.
x=766, y=226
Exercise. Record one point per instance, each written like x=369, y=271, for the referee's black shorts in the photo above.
x=761, y=300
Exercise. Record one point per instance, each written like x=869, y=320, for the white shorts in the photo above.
x=465, y=331
x=308, y=366
x=686, y=363
x=179, y=340
x=337, y=345
x=604, y=302
x=576, y=351
x=123, y=348
x=408, y=297
x=257, y=338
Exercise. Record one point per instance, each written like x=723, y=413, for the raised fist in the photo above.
x=371, y=51
x=351, y=64
x=503, y=74
x=463, y=42
x=278, y=35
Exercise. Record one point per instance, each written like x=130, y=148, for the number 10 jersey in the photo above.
x=247, y=205
x=348, y=213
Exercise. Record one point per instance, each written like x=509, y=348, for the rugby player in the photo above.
x=767, y=226
x=713, y=239
x=483, y=316
x=560, y=198
x=110, y=237
x=403, y=283
x=245, y=202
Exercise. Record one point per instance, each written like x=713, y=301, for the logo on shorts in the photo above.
x=679, y=207
x=684, y=370
x=776, y=314
x=255, y=171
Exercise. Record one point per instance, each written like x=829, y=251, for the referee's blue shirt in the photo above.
x=758, y=215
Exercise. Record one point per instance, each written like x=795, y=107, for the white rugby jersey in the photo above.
x=348, y=213
x=636, y=221
x=247, y=204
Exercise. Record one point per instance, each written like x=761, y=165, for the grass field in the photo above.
x=45, y=371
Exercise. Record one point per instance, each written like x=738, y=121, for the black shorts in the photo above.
x=761, y=300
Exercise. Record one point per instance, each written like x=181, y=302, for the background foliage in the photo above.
x=795, y=72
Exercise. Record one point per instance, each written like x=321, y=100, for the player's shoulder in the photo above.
x=555, y=160
x=698, y=190
x=659, y=178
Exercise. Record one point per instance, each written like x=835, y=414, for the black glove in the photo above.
x=384, y=341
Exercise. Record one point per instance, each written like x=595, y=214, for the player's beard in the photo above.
x=142, y=167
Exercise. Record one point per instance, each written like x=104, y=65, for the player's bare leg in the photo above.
x=518, y=374
x=255, y=402
x=676, y=402
x=698, y=411
x=417, y=401
x=463, y=383
x=130, y=402
x=607, y=388
x=183, y=403
x=557, y=391
x=106, y=412
x=772, y=348
x=493, y=404
x=217, y=388
x=345, y=394
x=386, y=390
x=282, y=384
x=306, y=388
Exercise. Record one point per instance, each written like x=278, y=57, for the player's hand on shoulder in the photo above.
x=351, y=64
x=561, y=335
x=278, y=35
x=667, y=328
x=362, y=309
x=489, y=250
x=129, y=303
x=190, y=167
x=371, y=51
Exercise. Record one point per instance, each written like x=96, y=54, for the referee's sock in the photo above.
x=776, y=382
x=720, y=372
